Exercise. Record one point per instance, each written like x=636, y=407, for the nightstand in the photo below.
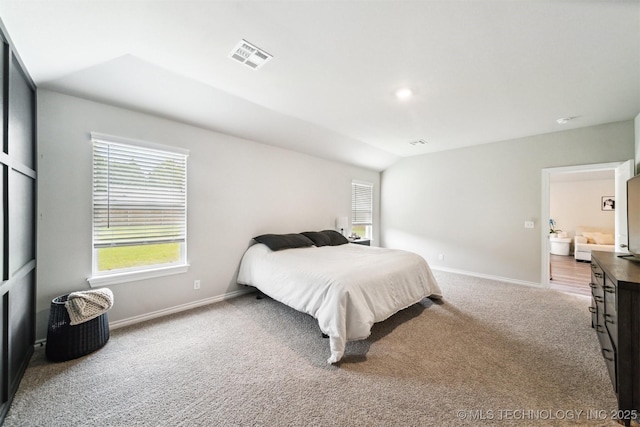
x=364, y=242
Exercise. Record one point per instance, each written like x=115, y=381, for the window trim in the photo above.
x=97, y=136
x=369, y=225
x=113, y=277
x=132, y=276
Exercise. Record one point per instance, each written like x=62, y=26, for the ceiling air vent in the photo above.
x=419, y=142
x=250, y=55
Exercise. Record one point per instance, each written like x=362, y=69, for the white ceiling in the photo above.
x=482, y=71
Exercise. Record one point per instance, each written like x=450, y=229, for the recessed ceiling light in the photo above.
x=249, y=54
x=404, y=93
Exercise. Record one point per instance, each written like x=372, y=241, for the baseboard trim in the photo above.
x=164, y=312
x=488, y=276
x=177, y=309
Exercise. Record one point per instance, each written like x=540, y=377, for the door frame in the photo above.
x=545, y=213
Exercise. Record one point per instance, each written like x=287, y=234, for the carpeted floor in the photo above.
x=489, y=353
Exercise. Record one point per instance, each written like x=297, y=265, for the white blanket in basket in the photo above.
x=86, y=305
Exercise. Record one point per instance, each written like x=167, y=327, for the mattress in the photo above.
x=347, y=288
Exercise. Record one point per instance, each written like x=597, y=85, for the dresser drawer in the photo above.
x=610, y=296
x=597, y=310
x=593, y=309
x=608, y=351
x=597, y=275
x=597, y=293
x=611, y=310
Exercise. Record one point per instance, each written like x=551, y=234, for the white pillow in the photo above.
x=604, y=239
x=590, y=235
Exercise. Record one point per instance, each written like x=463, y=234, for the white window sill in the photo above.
x=131, y=276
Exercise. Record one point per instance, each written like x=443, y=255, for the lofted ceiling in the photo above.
x=480, y=71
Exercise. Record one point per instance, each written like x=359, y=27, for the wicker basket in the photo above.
x=66, y=342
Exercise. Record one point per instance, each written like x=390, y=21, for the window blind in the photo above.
x=139, y=195
x=361, y=203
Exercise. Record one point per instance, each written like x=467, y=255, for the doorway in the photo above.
x=579, y=190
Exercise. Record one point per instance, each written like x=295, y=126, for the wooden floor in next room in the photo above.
x=569, y=275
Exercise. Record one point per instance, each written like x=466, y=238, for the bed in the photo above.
x=346, y=287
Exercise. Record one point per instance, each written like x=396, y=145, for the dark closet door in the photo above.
x=17, y=223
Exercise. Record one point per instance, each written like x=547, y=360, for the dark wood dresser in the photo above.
x=615, y=315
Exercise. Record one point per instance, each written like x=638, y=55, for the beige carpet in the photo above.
x=489, y=354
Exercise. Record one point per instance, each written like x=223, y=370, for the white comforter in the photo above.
x=347, y=288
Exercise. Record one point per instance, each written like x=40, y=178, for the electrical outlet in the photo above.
x=440, y=257
x=529, y=224
x=196, y=284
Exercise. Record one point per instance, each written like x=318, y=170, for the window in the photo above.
x=139, y=209
x=362, y=209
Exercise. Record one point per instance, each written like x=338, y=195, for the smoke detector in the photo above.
x=564, y=120
x=419, y=142
x=250, y=55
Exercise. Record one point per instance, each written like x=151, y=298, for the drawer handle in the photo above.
x=609, y=318
x=598, y=275
x=599, y=329
x=598, y=298
x=592, y=310
x=604, y=354
x=610, y=289
x=592, y=285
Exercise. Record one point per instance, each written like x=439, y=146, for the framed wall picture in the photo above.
x=608, y=203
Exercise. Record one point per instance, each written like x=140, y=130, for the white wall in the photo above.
x=577, y=203
x=237, y=189
x=470, y=204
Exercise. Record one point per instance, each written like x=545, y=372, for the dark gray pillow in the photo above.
x=318, y=237
x=277, y=242
x=335, y=237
